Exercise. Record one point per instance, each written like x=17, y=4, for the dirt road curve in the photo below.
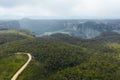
x=23, y=67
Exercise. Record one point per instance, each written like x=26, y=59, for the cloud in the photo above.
x=98, y=9
x=61, y=8
x=13, y=3
x=25, y=11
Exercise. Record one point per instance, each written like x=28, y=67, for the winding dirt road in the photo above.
x=23, y=67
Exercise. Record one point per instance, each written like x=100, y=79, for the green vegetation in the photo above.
x=18, y=32
x=10, y=64
x=12, y=35
x=61, y=57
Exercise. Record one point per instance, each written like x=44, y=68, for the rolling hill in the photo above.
x=62, y=57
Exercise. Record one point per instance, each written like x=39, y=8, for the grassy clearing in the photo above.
x=9, y=65
x=23, y=33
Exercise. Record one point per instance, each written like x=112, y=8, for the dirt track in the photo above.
x=23, y=67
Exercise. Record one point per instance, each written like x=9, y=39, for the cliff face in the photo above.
x=91, y=29
x=77, y=28
x=9, y=25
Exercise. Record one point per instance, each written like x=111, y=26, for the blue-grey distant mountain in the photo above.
x=42, y=26
x=11, y=24
x=78, y=28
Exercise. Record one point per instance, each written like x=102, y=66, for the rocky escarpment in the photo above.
x=91, y=29
x=77, y=28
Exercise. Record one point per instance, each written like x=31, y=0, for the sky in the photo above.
x=60, y=9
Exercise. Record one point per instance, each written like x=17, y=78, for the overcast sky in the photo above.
x=83, y=9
